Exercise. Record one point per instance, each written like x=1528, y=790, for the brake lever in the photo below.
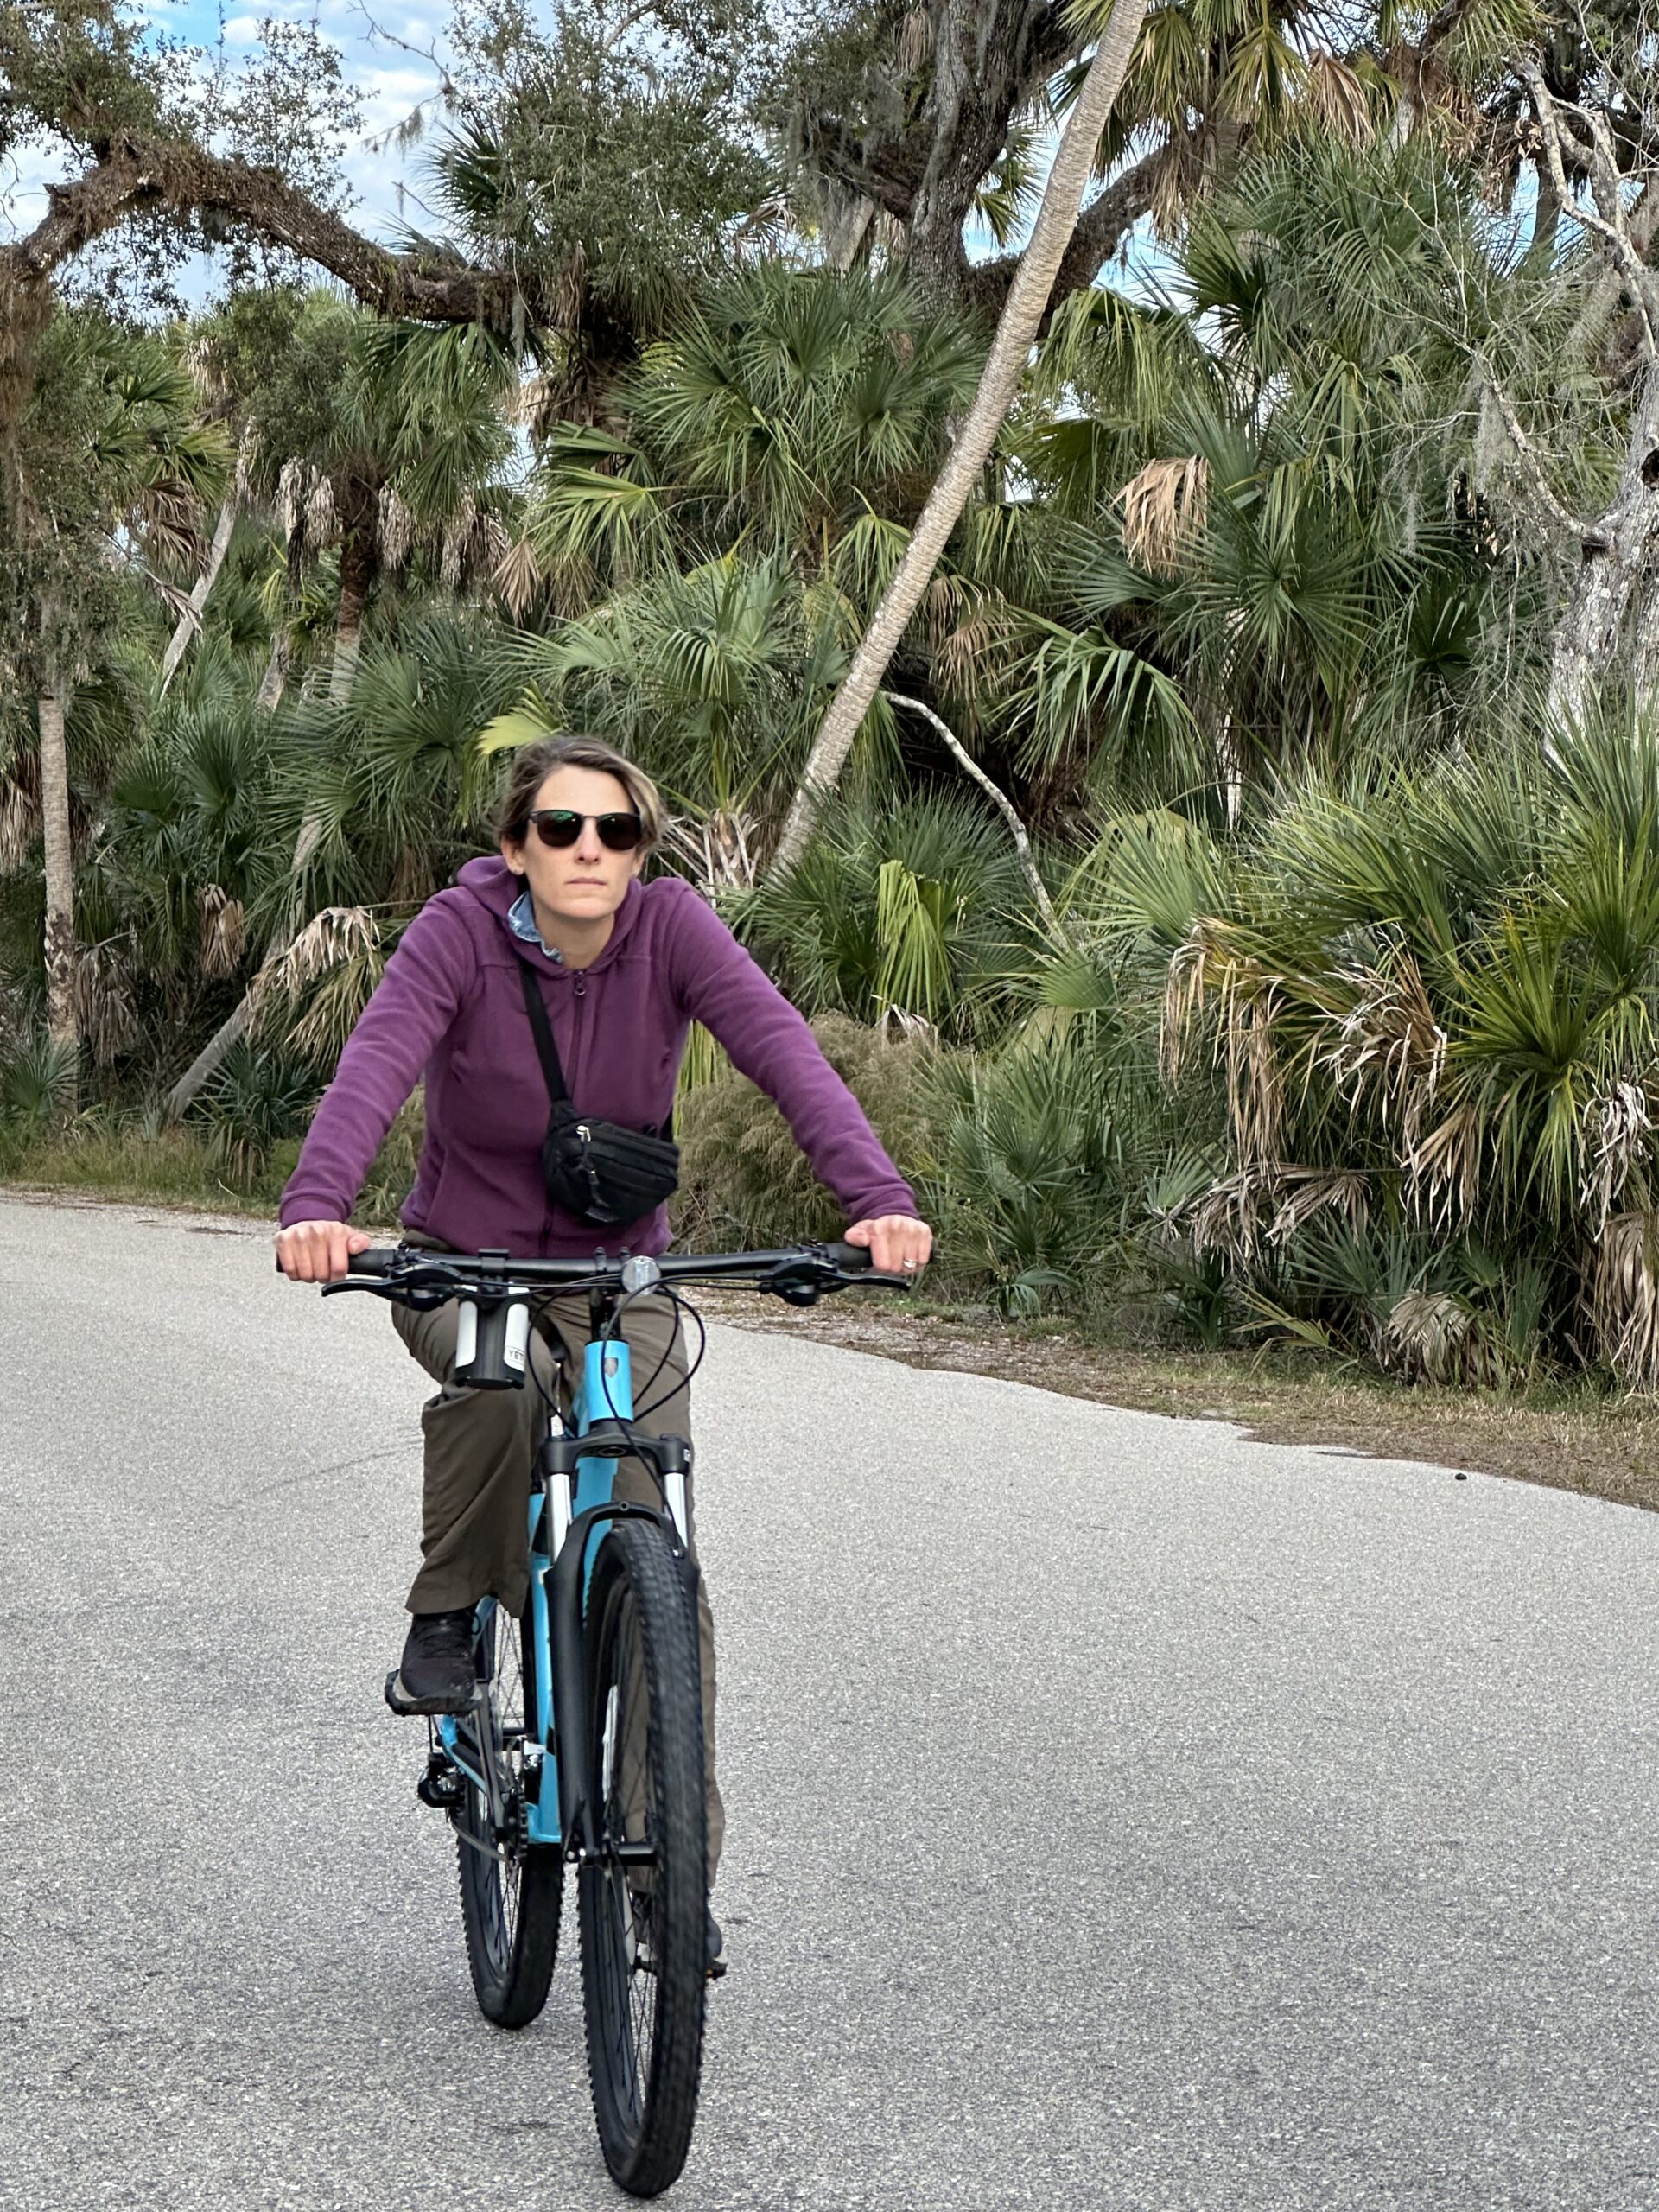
x=420, y=1298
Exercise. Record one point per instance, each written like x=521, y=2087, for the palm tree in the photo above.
x=1021, y=316
x=115, y=467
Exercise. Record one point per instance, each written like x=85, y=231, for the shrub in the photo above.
x=745, y=1182
x=257, y=1096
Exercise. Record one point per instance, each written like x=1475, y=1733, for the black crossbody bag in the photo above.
x=597, y=1171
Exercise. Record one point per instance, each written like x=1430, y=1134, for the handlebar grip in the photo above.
x=851, y=1259
x=382, y=1263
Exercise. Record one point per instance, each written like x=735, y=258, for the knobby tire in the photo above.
x=644, y=1923
x=510, y=1910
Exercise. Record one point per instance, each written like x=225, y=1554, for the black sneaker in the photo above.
x=436, y=1673
x=715, y=1966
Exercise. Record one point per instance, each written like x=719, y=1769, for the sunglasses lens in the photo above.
x=620, y=832
x=557, y=828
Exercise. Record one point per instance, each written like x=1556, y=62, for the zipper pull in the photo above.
x=579, y=982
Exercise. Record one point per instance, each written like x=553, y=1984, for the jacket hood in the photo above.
x=495, y=887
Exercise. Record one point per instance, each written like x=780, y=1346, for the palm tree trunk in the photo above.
x=1022, y=313
x=357, y=564
x=276, y=675
x=191, y=622
x=230, y=1032
x=51, y=707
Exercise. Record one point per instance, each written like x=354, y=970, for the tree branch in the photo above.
x=1102, y=227
x=138, y=175
x=1613, y=230
x=1584, y=532
x=998, y=799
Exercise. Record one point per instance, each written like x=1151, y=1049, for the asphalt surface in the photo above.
x=1121, y=1815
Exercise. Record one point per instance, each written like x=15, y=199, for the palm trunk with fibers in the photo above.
x=59, y=872
x=359, y=561
x=190, y=622
x=1021, y=317
x=348, y=625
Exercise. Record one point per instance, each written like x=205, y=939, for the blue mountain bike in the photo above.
x=584, y=1738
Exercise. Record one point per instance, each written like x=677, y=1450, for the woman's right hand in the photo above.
x=317, y=1251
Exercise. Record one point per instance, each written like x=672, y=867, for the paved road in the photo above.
x=1121, y=1815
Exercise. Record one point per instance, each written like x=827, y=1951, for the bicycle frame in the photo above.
x=571, y=1505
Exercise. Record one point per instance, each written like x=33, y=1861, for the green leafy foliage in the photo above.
x=744, y=1181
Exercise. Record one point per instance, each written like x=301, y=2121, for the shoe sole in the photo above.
x=402, y=1701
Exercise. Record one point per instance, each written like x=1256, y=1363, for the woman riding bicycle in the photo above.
x=623, y=969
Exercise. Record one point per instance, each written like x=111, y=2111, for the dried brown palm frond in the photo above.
x=1336, y=97
x=1443, y=1168
x=517, y=577
x=171, y=516
x=1304, y=1192
x=1624, y=1296
x=946, y=601
x=1248, y=999
x=457, y=540
x=396, y=529
x=290, y=498
x=20, y=822
x=1433, y=1336
x=105, y=1014
x=915, y=41
x=1164, y=507
x=960, y=658
x=224, y=932
x=1388, y=1048
x=328, y=941
x=1618, y=1131
x=1232, y=1215
x=338, y=1003
x=322, y=517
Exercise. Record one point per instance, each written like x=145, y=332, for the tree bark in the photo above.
x=1002, y=802
x=51, y=707
x=356, y=567
x=191, y=622
x=1610, y=623
x=276, y=675
x=1027, y=297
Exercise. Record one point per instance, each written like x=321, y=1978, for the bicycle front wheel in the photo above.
x=643, y=1905
x=511, y=1890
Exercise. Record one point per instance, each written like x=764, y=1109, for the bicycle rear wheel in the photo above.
x=644, y=1905
x=511, y=1890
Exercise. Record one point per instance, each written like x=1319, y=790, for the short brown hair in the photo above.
x=534, y=763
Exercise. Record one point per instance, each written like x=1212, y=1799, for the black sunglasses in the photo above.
x=558, y=827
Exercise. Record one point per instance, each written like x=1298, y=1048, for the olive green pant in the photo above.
x=480, y=1450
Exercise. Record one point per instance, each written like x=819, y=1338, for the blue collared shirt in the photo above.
x=521, y=919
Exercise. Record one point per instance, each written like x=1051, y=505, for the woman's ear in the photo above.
x=513, y=857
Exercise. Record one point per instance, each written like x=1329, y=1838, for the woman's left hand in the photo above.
x=897, y=1245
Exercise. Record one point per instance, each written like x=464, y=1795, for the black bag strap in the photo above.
x=546, y=1051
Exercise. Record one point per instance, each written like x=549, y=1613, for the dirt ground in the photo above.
x=1603, y=1446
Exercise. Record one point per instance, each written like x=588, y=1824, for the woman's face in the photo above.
x=587, y=880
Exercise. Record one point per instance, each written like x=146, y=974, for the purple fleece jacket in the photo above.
x=451, y=1005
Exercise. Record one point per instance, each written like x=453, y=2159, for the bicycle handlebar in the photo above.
x=710, y=1267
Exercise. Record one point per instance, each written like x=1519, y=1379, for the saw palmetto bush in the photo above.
x=258, y=1096
x=1429, y=997
x=908, y=910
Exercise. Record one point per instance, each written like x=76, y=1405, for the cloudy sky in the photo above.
x=392, y=82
